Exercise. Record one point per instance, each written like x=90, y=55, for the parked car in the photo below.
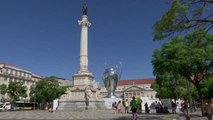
x=2, y=107
x=6, y=106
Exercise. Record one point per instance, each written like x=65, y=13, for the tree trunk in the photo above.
x=200, y=98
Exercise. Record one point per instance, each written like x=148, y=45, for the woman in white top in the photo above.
x=178, y=107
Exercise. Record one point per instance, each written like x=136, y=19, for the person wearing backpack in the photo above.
x=133, y=105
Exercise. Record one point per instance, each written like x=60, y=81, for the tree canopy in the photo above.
x=189, y=54
x=207, y=88
x=168, y=86
x=190, y=57
x=15, y=90
x=3, y=90
x=46, y=90
x=185, y=16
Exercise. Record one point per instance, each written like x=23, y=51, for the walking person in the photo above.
x=133, y=105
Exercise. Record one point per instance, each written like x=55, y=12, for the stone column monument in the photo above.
x=83, y=77
x=84, y=94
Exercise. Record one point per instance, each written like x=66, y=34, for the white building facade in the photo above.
x=10, y=73
x=126, y=89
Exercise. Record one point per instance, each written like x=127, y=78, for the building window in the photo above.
x=9, y=71
x=14, y=72
x=18, y=73
x=22, y=74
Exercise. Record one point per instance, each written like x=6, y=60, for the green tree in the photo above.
x=15, y=90
x=168, y=86
x=207, y=88
x=3, y=91
x=163, y=87
x=190, y=57
x=46, y=90
x=185, y=16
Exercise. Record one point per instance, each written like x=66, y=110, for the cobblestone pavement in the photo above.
x=89, y=115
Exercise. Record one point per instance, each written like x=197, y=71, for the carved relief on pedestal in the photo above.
x=98, y=94
x=88, y=93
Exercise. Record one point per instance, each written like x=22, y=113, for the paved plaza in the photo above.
x=89, y=115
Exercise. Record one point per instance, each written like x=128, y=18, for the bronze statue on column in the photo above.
x=84, y=9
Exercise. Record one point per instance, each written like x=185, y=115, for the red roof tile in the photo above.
x=136, y=81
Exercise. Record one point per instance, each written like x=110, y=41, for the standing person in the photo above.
x=178, y=107
x=209, y=110
x=119, y=107
x=126, y=103
x=123, y=106
x=139, y=102
x=146, y=108
x=115, y=107
x=185, y=109
x=133, y=105
x=173, y=107
x=156, y=106
x=160, y=107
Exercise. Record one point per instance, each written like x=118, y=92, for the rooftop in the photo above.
x=136, y=81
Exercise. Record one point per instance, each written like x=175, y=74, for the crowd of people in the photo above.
x=121, y=107
x=176, y=107
x=126, y=106
x=180, y=106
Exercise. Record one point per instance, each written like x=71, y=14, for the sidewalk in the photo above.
x=89, y=115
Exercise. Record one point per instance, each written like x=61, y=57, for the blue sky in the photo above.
x=43, y=36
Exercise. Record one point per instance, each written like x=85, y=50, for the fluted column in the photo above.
x=84, y=24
